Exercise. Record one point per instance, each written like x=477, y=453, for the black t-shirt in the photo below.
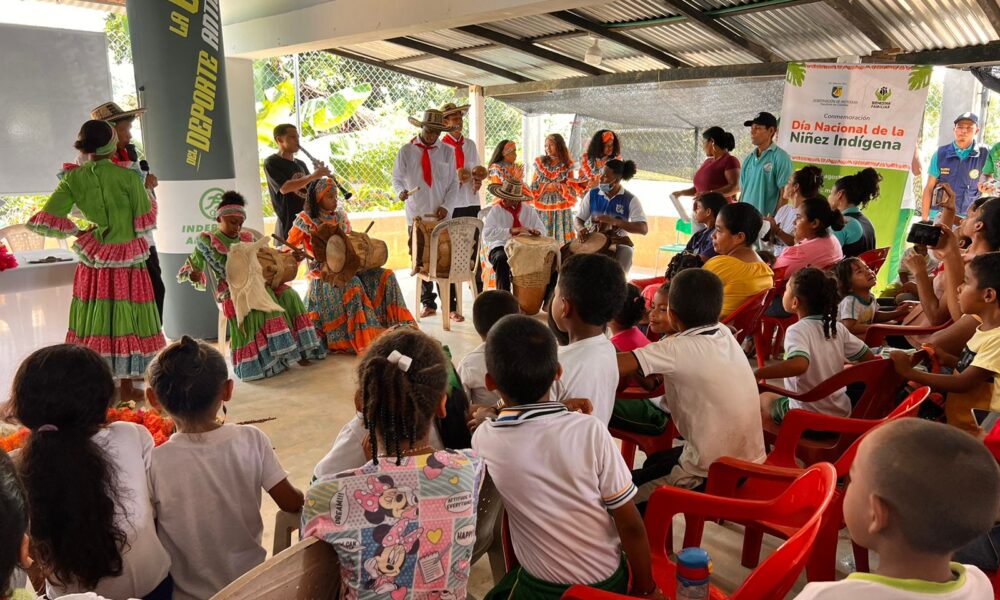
x=278, y=170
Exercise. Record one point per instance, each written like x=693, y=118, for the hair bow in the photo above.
x=400, y=360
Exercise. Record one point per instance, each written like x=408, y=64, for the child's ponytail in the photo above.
x=402, y=378
x=818, y=291
x=62, y=394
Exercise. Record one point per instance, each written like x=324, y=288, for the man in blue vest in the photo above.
x=958, y=164
x=767, y=169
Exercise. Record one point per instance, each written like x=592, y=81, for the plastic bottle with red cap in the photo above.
x=694, y=567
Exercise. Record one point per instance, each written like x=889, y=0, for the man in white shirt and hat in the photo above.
x=471, y=172
x=425, y=178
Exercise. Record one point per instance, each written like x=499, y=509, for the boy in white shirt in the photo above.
x=918, y=492
x=489, y=307
x=590, y=290
x=566, y=489
x=709, y=387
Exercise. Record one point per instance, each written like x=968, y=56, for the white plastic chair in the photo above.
x=308, y=570
x=19, y=238
x=285, y=524
x=463, y=232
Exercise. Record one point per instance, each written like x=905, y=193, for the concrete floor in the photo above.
x=310, y=405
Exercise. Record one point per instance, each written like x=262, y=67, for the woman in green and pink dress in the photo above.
x=266, y=343
x=113, y=310
x=352, y=315
x=553, y=189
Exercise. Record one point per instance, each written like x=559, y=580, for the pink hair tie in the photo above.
x=47, y=427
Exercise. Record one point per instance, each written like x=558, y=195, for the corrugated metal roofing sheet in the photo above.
x=931, y=24
x=694, y=44
x=521, y=63
x=449, y=39
x=531, y=27
x=382, y=50
x=803, y=32
x=616, y=57
x=621, y=11
x=455, y=71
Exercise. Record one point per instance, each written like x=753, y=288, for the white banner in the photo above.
x=853, y=115
x=177, y=230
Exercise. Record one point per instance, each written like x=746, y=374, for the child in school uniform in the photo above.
x=90, y=512
x=489, y=307
x=858, y=310
x=590, y=291
x=709, y=388
x=919, y=491
x=972, y=384
x=403, y=525
x=566, y=490
x=207, y=478
x=639, y=416
x=816, y=347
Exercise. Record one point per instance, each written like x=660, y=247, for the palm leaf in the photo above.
x=796, y=73
x=920, y=76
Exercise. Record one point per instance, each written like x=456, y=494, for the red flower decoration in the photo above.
x=159, y=427
x=7, y=260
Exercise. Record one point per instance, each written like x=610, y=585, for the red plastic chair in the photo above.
x=876, y=334
x=746, y=318
x=766, y=341
x=875, y=258
x=734, y=478
x=650, y=444
x=801, y=506
x=881, y=384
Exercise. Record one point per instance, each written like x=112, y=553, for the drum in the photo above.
x=278, y=267
x=532, y=260
x=596, y=243
x=342, y=255
x=422, y=228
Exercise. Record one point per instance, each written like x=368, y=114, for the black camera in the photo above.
x=924, y=234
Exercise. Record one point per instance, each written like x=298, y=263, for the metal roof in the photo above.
x=652, y=35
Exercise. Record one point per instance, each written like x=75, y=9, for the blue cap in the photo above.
x=968, y=116
x=694, y=567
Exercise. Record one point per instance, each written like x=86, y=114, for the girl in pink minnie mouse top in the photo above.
x=404, y=524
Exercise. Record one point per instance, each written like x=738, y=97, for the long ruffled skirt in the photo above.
x=558, y=222
x=344, y=315
x=268, y=342
x=386, y=297
x=113, y=312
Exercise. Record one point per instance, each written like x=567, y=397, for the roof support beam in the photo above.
x=394, y=68
x=722, y=31
x=454, y=57
x=726, y=11
x=856, y=14
x=769, y=69
x=600, y=30
x=969, y=56
x=529, y=48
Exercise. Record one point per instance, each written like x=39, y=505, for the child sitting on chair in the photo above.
x=403, y=524
x=511, y=216
x=207, y=478
x=705, y=374
x=489, y=307
x=859, y=308
x=591, y=289
x=816, y=347
x=566, y=489
x=919, y=491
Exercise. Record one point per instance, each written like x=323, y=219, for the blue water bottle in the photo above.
x=693, y=570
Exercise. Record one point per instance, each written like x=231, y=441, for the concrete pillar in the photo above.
x=477, y=127
x=180, y=69
x=960, y=94
x=243, y=125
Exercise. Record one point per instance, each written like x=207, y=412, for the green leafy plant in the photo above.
x=920, y=76
x=796, y=73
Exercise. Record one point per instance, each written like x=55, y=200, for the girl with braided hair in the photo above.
x=404, y=523
x=350, y=316
x=816, y=347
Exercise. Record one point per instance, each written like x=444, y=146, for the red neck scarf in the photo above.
x=425, y=161
x=515, y=211
x=457, y=145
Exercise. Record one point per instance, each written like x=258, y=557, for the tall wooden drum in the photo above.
x=422, y=228
x=532, y=260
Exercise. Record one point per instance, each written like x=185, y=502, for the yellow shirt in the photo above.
x=983, y=351
x=740, y=280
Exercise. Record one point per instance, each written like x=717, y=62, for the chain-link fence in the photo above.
x=353, y=116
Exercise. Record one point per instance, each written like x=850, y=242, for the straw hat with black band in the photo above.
x=433, y=119
x=509, y=190
x=451, y=107
x=112, y=113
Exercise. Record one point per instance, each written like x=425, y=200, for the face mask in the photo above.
x=604, y=187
